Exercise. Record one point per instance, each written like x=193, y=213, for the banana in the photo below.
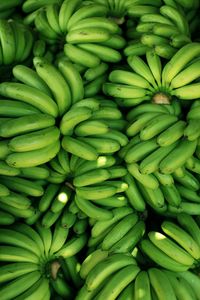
x=52, y=15
x=67, y=9
x=39, y=48
x=16, y=200
x=61, y=287
x=7, y=170
x=59, y=202
x=7, y=42
x=13, y=270
x=97, y=22
x=193, y=113
x=35, y=140
x=91, y=127
x=170, y=248
x=123, y=91
x=140, y=150
x=152, y=40
x=49, y=218
x=28, y=45
x=96, y=192
x=180, y=286
x=93, y=73
x=4, y=191
x=48, y=196
x=81, y=224
x=148, y=180
x=116, y=136
x=30, y=95
x=92, y=210
x=193, y=280
x=178, y=156
x=56, y=83
x=91, y=177
x=165, y=50
x=101, y=226
x=130, y=239
x=116, y=124
x=191, y=131
x=18, y=212
x=63, y=158
x=160, y=257
x=87, y=35
x=72, y=265
x=29, y=77
x=94, y=87
x=91, y=261
x=12, y=108
x=179, y=61
x=117, y=171
x=106, y=268
x=107, y=112
x=80, y=148
x=165, y=30
x=46, y=237
x=80, y=56
x=171, y=194
x=43, y=26
x=154, y=64
x=59, y=238
x=144, y=27
x=17, y=254
x=22, y=185
x=188, y=181
x=114, y=201
x=68, y=219
x=34, y=157
x=134, y=196
x=157, y=125
x=6, y=218
x=172, y=134
x=141, y=68
x=102, y=145
x=164, y=179
x=190, y=225
x=72, y=118
x=142, y=290
x=118, y=282
x=104, y=53
x=137, y=11
x=135, y=49
x=161, y=285
x=129, y=78
x=120, y=229
x=73, y=78
x=73, y=246
x=188, y=92
x=90, y=10
x=19, y=285
x=14, y=238
x=154, y=198
x=156, y=18
x=182, y=238
x=140, y=121
x=188, y=194
x=25, y=124
x=193, y=164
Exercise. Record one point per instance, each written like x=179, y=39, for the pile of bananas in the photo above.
x=100, y=150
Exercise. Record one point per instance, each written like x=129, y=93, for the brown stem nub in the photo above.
x=161, y=98
x=70, y=185
x=55, y=266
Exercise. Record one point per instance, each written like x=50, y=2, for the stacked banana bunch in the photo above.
x=99, y=150
x=165, y=28
x=36, y=258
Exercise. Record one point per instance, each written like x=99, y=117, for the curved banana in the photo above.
x=34, y=157
x=142, y=288
x=56, y=83
x=73, y=78
x=30, y=95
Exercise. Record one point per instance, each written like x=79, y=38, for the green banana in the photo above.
x=142, y=290
x=171, y=134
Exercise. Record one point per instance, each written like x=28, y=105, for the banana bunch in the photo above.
x=121, y=234
x=32, y=259
x=178, y=247
x=106, y=275
x=91, y=128
x=16, y=41
x=8, y=8
x=155, y=83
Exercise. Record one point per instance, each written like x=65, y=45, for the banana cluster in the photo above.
x=16, y=41
x=35, y=259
